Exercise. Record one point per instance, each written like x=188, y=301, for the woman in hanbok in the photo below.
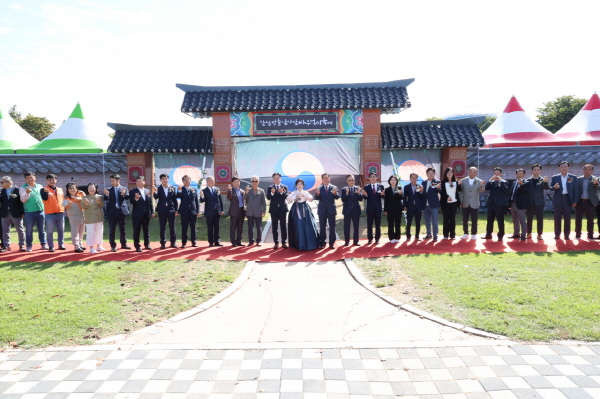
x=303, y=233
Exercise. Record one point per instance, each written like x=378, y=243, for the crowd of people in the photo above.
x=296, y=226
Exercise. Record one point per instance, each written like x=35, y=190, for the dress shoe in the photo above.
x=22, y=248
x=356, y=244
x=62, y=248
x=427, y=237
x=515, y=236
x=578, y=237
x=148, y=248
x=2, y=250
x=487, y=237
x=163, y=246
x=321, y=246
x=331, y=246
x=218, y=244
x=500, y=238
x=522, y=239
x=112, y=249
x=240, y=244
x=194, y=244
x=539, y=237
x=258, y=244
x=557, y=237
x=417, y=238
x=234, y=244
x=82, y=247
x=125, y=247
x=369, y=242
x=529, y=236
x=173, y=246
x=434, y=239
x=285, y=246
x=408, y=237
x=138, y=250
x=79, y=250
x=567, y=238
x=376, y=242
x=211, y=245
x=276, y=246
x=182, y=246
x=51, y=249
x=346, y=244
x=250, y=243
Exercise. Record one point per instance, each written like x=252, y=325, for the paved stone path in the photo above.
x=300, y=302
x=475, y=372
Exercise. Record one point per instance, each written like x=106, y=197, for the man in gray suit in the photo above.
x=586, y=189
x=536, y=202
x=468, y=190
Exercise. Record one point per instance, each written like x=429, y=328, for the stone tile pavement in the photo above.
x=484, y=371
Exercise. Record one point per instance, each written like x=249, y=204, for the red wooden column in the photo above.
x=139, y=164
x=222, y=149
x=371, y=144
x=455, y=158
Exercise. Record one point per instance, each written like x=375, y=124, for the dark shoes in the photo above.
x=276, y=246
x=51, y=249
x=194, y=244
x=138, y=250
x=515, y=236
x=218, y=244
x=331, y=246
x=557, y=237
x=369, y=242
x=427, y=237
x=79, y=250
x=62, y=248
x=148, y=247
x=356, y=244
x=487, y=237
x=285, y=246
x=163, y=246
x=346, y=244
x=113, y=249
x=125, y=247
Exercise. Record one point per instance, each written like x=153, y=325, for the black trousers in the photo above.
x=279, y=220
x=416, y=214
x=584, y=207
x=141, y=223
x=324, y=219
x=254, y=220
x=163, y=218
x=213, y=221
x=188, y=221
x=474, y=214
x=374, y=215
x=449, y=219
x=598, y=216
x=538, y=211
x=353, y=218
x=236, y=227
x=394, y=219
x=118, y=219
x=497, y=212
x=562, y=211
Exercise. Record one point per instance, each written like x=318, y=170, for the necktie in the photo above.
x=116, y=197
x=373, y=188
x=351, y=197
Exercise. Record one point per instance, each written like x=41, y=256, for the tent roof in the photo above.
x=73, y=136
x=12, y=136
x=515, y=128
x=585, y=126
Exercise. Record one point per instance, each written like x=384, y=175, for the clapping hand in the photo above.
x=545, y=179
x=318, y=192
x=520, y=181
x=459, y=183
x=273, y=190
x=202, y=193
x=364, y=194
x=334, y=191
x=137, y=196
x=247, y=189
x=98, y=200
x=179, y=188
x=439, y=185
x=46, y=190
x=106, y=191
x=382, y=193
x=229, y=188
x=556, y=186
x=280, y=190
x=347, y=190
x=86, y=202
x=28, y=190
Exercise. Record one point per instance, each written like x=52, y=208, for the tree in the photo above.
x=555, y=114
x=37, y=126
x=487, y=122
x=434, y=118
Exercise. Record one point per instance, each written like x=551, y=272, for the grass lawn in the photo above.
x=71, y=303
x=526, y=296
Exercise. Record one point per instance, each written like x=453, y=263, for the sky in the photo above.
x=122, y=59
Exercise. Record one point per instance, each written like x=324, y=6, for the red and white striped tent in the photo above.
x=585, y=126
x=514, y=128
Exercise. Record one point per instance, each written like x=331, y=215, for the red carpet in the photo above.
x=266, y=253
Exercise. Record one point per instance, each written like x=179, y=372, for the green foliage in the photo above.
x=486, y=123
x=555, y=114
x=37, y=126
x=434, y=118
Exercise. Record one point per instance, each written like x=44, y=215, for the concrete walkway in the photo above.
x=300, y=302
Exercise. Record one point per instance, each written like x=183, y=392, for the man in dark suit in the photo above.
x=518, y=205
x=431, y=206
x=413, y=205
x=236, y=212
x=11, y=212
x=564, y=199
x=141, y=213
x=536, y=201
x=213, y=210
x=167, y=210
x=373, y=194
x=276, y=194
x=188, y=210
x=117, y=208
x=351, y=195
x=586, y=195
x=327, y=194
x=497, y=203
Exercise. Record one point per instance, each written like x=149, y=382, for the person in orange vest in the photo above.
x=54, y=211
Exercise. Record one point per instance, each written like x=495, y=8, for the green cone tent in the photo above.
x=72, y=136
x=12, y=136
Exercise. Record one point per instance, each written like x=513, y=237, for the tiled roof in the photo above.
x=202, y=101
x=72, y=163
x=430, y=134
x=527, y=156
x=131, y=138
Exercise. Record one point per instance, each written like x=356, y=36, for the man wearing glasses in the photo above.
x=351, y=195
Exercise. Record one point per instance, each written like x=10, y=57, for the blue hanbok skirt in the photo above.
x=302, y=229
